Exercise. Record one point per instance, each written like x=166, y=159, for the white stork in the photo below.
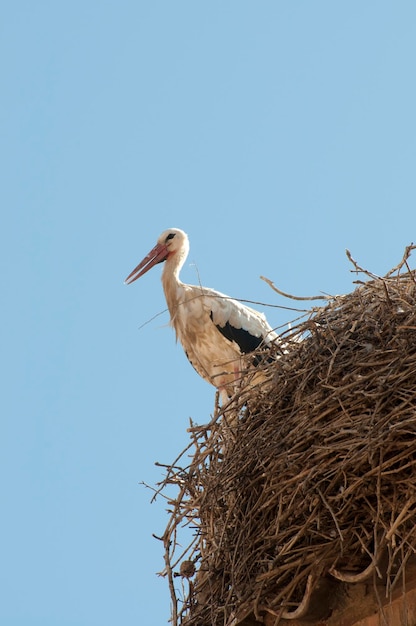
x=216, y=332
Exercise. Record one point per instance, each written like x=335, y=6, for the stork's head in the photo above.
x=172, y=245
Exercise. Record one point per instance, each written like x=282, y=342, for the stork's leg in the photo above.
x=224, y=393
x=238, y=378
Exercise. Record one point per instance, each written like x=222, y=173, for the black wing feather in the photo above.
x=245, y=341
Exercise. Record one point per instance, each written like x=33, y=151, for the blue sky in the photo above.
x=276, y=134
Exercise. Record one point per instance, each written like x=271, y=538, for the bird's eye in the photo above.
x=170, y=236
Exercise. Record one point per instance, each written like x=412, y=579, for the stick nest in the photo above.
x=306, y=475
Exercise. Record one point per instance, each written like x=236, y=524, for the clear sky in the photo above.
x=276, y=134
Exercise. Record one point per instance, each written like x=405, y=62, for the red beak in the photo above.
x=157, y=255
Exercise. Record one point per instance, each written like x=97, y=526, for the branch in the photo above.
x=287, y=295
x=406, y=255
x=358, y=268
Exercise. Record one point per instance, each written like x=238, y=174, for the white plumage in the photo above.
x=217, y=333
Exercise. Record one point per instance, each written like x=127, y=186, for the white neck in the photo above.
x=171, y=281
